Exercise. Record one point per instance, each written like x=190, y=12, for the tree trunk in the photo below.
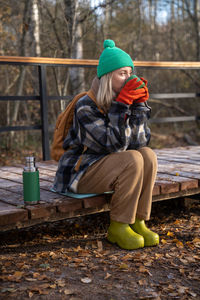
x=172, y=35
x=197, y=27
x=106, y=20
x=151, y=17
x=26, y=20
x=75, y=47
x=77, y=74
x=36, y=24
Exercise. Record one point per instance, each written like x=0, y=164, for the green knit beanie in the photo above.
x=112, y=58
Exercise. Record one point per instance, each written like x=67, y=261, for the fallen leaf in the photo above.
x=30, y=294
x=108, y=275
x=184, y=261
x=86, y=280
x=35, y=275
x=45, y=266
x=52, y=286
x=177, y=222
x=179, y=244
x=196, y=241
x=52, y=254
x=60, y=282
x=170, y=234
x=144, y=270
x=189, y=244
x=123, y=266
x=100, y=245
x=182, y=289
x=30, y=279
x=163, y=241
x=18, y=274
x=15, y=277
x=192, y=294
x=83, y=252
x=173, y=295
x=182, y=271
x=142, y=282
x=68, y=292
x=126, y=257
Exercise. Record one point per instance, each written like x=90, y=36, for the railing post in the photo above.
x=44, y=112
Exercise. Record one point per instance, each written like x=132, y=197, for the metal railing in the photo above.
x=43, y=97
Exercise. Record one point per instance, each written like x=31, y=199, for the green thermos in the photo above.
x=31, y=184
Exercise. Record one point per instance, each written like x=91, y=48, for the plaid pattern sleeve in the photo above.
x=122, y=128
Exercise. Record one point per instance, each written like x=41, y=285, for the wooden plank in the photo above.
x=6, y=183
x=10, y=197
x=47, y=196
x=167, y=187
x=178, y=170
x=19, y=170
x=48, y=165
x=69, y=205
x=184, y=167
x=185, y=183
x=11, y=215
x=156, y=189
x=11, y=176
x=14, y=195
x=10, y=173
x=190, y=153
x=39, y=211
x=14, y=187
x=181, y=160
x=176, y=195
x=12, y=169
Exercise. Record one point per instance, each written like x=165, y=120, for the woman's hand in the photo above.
x=134, y=91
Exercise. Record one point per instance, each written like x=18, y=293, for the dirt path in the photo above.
x=72, y=259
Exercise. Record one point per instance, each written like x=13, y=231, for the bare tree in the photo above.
x=22, y=47
x=36, y=25
x=106, y=19
x=172, y=31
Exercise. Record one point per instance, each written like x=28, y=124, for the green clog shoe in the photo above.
x=150, y=238
x=124, y=236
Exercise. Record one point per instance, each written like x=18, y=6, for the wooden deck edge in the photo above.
x=176, y=195
x=56, y=217
x=59, y=216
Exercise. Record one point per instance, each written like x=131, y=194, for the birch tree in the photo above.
x=75, y=46
x=36, y=27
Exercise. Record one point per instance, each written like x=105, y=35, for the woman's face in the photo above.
x=119, y=77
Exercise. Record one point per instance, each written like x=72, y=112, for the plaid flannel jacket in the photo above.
x=124, y=127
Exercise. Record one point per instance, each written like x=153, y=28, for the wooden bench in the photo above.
x=178, y=176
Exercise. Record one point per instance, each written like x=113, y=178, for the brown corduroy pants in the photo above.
x=131, y=175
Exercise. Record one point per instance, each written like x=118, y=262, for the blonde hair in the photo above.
x=105, y=93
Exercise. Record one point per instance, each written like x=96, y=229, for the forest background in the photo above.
x=149, y=30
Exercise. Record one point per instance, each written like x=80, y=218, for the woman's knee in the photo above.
x=133, y=158
x=149, y=156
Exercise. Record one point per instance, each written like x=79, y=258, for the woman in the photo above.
x=107, y=149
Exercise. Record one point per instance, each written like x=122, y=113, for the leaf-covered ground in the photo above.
x=73, y=260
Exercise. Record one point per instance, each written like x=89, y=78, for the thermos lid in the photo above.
x=30, y=159
x=30, y=164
